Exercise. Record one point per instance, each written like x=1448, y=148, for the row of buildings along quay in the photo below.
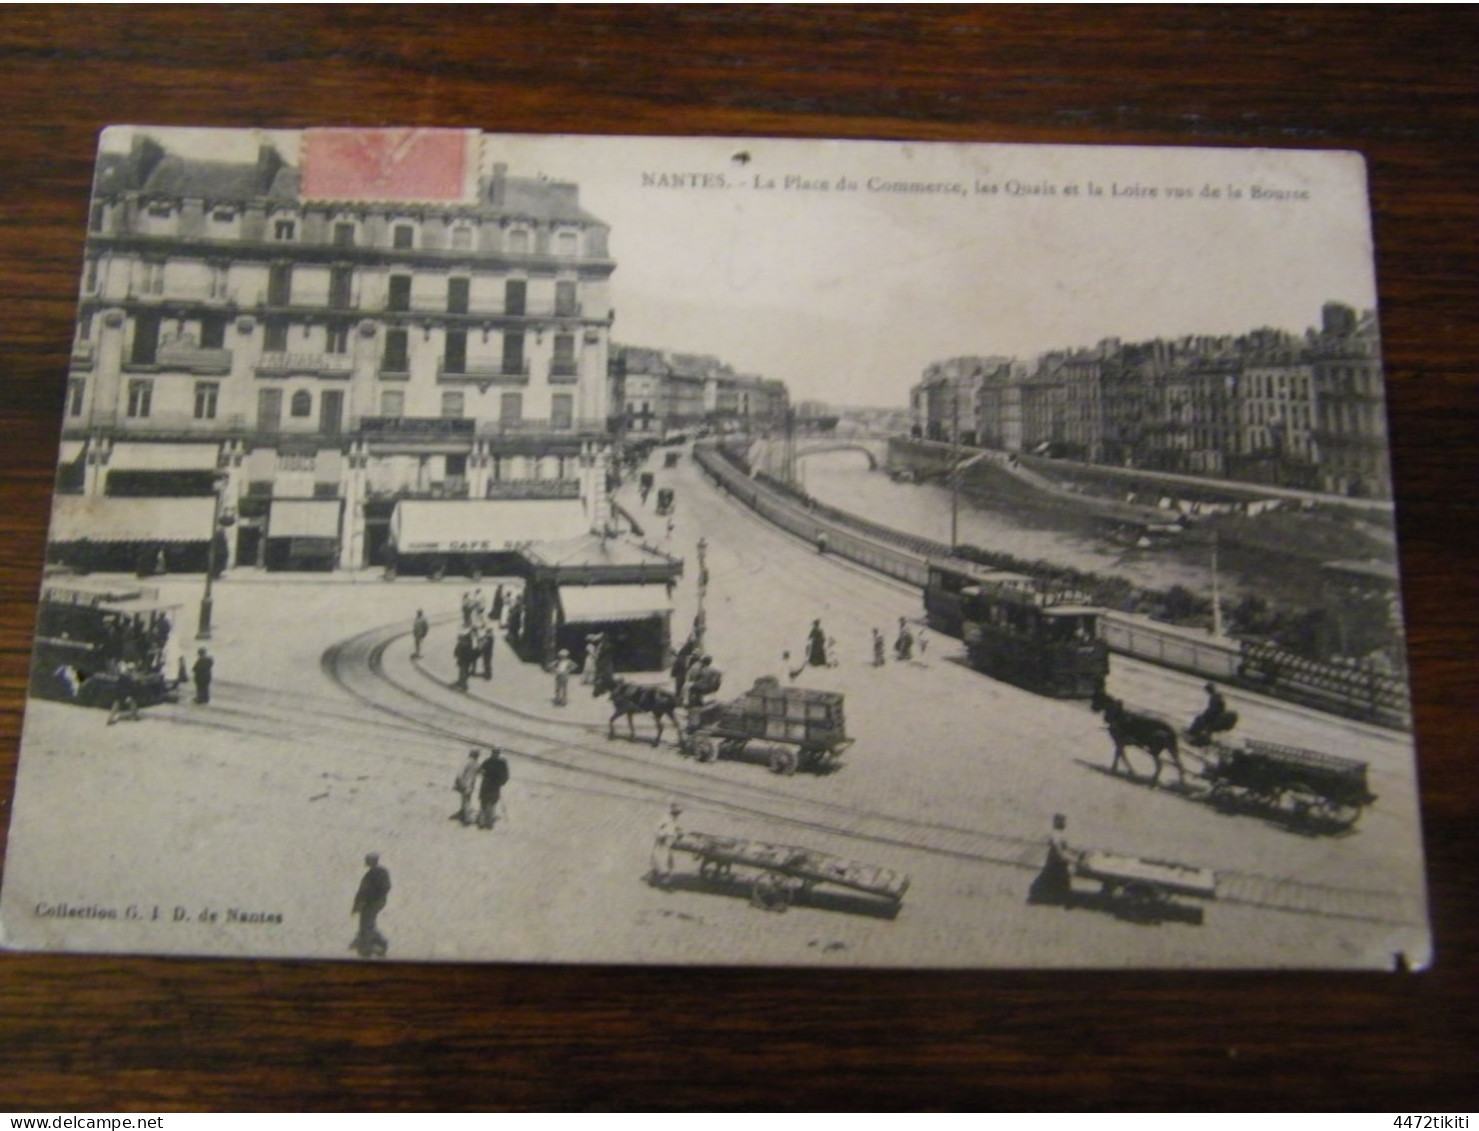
x=1271, y=406
x=238, y=338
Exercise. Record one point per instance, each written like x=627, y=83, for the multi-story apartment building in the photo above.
x=348, y=351
x=1351, y=428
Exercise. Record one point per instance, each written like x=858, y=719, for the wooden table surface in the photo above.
x=1399, y=85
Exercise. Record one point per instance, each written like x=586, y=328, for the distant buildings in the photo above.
x=660, y=392
x=1267, y=406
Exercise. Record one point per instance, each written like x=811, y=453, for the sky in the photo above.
x=753, y=250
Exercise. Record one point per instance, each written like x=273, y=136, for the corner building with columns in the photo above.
x=318, y=359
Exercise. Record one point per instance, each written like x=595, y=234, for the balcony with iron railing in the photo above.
x=422, y=308
x=527, y=427
x=159, y=425
x=284, y=363
x=564, y=371
x=505, y=372
x=192, y=358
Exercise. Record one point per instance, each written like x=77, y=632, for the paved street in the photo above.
x=325, y=740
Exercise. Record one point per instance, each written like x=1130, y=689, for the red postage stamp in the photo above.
x=389, y=164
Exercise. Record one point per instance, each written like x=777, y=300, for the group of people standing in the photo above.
x=695, y=677
x=477, y=635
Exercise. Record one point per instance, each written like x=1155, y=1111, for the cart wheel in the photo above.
x=783, y=760
x=769, y=893
x=706, y=750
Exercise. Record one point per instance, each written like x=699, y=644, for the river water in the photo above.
x=843, y=480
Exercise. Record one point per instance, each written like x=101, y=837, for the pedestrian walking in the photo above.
x=203, y=670
x=816, y=646
x=369, y=901
x=562, y=668
x=485, y=650
x=419, y=629
x=592, y=650
x=878, y=653
x=495, y=610
x=904, y=642
x=490, y=789
x=466, y=785
x=660, y=874
x=1054, y=884
x=465, y=654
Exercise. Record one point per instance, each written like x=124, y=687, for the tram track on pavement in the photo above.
x=356, y=666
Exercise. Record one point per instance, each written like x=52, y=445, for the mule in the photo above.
x=1155, y=736
x=633, y=699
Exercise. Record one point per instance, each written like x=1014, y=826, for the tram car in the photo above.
x=96, y=645
x=1039, y=637
x=947, y=585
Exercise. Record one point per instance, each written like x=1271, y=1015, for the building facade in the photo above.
x=344, y=351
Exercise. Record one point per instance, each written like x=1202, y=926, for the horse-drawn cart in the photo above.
x=776, y=875
x=1147, y=889
x=1317, y=789
x=792, y=727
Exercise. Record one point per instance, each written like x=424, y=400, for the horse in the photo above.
x=1126, y=728
x=632, y=699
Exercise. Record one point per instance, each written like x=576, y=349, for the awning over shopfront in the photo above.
x=463, y=526
x=75, y=518
x=608, y=604
x=164, y=457
x=304, y=518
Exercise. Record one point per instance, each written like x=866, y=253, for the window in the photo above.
x=462, y=238
x=76, y=394
x=396, y=359
x=452, y=406
x=90, y=277
x=280, y=284
x=140, y=397
x=399, y=294
x=301, y=404
x=565, y=243
x=562, y=411
x=216, y=285
x=275, y=335
x=513, y=354
x=151, y=280
x=206, y=395
x=403, y=236
x=223, y=216
x=341, y=283
x=160, y=211
x=518, y=241
x=84, y=326
x=565, y=298
x=343, y=235
x=511, y=408
x=455, y=358
x=515, y=292
x=457, y=295
x=456, y=467
x=337, y=340
x=563, y=363
x=212, y=332
x=146, y=338
x=97, y=218
x=284, y=230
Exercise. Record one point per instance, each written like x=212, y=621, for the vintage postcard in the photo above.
x=736, y=551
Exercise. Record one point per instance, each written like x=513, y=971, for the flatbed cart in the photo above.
x=776, y=875
x=1146, y=889
x=1324, y=792
x=790, y=727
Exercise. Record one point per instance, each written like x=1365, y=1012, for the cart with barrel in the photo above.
x=790, y=728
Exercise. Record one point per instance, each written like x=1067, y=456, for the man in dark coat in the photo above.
x=202, y=670
x=419, y=629
x=466, y=654
x=490, y=787
x=369, y=901
x=485, y=651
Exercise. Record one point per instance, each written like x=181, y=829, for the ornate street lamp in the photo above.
x=219, y=521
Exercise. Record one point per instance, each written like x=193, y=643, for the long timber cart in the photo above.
x=1146, y=889
x=1322, y=791
x=791, y=727
x=776, y=875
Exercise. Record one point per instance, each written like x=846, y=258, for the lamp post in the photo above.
x=203, y=630
x=956, y=472
x=700, y=620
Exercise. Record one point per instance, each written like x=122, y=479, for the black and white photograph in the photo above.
x=474, y=547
